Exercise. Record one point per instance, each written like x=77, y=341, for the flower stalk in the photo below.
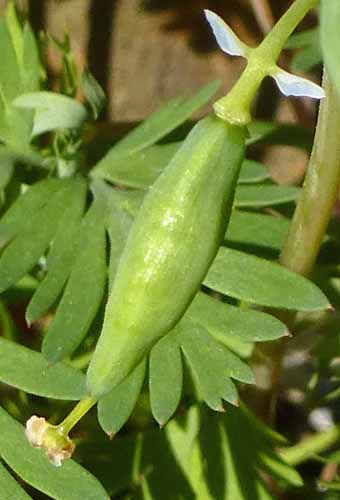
x=311, y=446
x=320, y=190
x=54, y=439
x=235, y=107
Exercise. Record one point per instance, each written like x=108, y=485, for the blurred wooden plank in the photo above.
x=69, y=17
x=150, y=63
x=142, y=57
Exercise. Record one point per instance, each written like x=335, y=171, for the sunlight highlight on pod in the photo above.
x=289, y=84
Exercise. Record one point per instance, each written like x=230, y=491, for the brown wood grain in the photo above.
x=145, y=52
x=142, y=51
x=152, y=62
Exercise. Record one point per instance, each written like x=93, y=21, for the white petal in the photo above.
x=225, y=36
x=295, y=85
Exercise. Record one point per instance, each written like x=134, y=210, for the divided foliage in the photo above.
x=64, y=223
x=198, y=456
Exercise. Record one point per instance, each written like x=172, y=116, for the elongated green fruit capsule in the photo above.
x=171, y=246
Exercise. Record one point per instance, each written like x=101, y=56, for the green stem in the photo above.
x=82, y=361
x=76, y=414
x=313, y=445
x=278, y=36
x=320, y=189
x=315, y=206
x=235, y=107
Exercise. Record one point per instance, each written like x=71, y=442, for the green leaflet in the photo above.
x=252, y=172
x=69, y=482
x=211, y=362
x=255, y=229
x=115, y=408
x=122, y=207
x=20, y=73
x=265, y=433
x=6, y=169
x=265, y=195
x=9, y=488
x=8, y=327
x=141, y=169
x=93, y=93
x=330, y=42
x=278, y=468
x=25, y=48
x=200, y=455
x=15, y=32
x=31, y=59
x=310, y=54
x=29, y=371
x=330, y=487
x=84, y=290
x=220, y=457
x=61, y=256
x=10, y=79
x=302, y=39
x=26, y=207
x=119, y=223
x=52, y=111
x=213, y=365
x=262, y=282
x=166, y=378
x=138, y=170
x=9, y=158
x=23, y=252
x=278, y=133
x=160, y=123
x=265, y=456
x=226, y=322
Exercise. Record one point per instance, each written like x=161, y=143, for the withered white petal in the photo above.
x=292, y=85
x=225, y=37
x=35, y=430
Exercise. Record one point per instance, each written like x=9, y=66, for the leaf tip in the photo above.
x=161, y=423
x=110, y=435
x=287, y=334
x=28, y=320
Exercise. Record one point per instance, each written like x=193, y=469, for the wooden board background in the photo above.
x=144, y=52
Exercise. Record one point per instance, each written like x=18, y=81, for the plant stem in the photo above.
x=83, y=360
x=314, y=209
x=320, y=189
x=313, y=445
x=76, y=414
x=308, y=227
x=235, y=106
x=278, y=36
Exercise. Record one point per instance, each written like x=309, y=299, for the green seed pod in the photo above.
x=170, y=248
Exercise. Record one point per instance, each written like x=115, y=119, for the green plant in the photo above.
x=172, y=346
